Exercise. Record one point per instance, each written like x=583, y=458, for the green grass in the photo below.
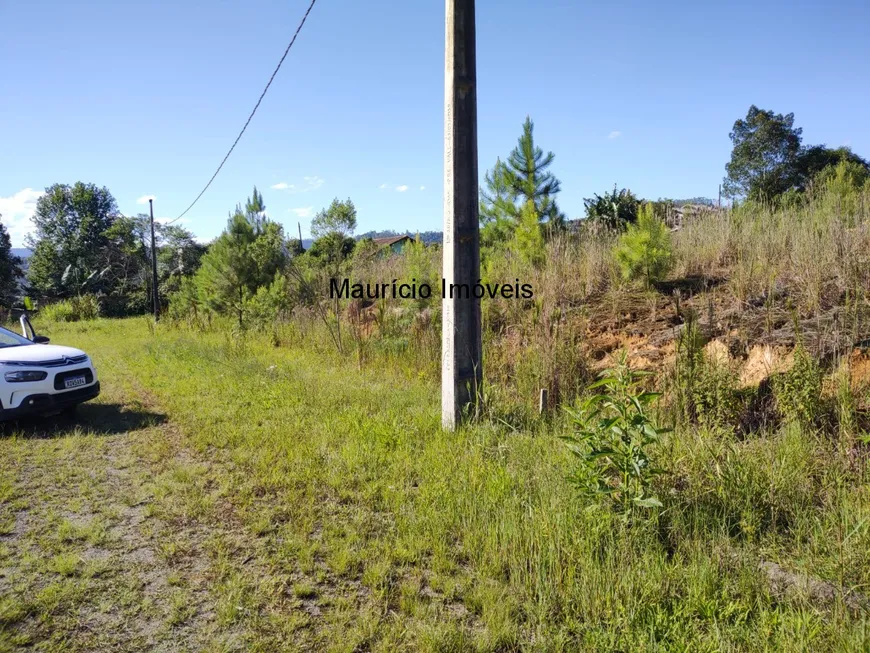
x=342, y=517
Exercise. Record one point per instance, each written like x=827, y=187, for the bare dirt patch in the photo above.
x=90, y=558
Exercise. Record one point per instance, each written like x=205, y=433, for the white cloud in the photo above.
x=401, y=188
x=313, y=183
x=384, y=186
x=144, y=199
x=17, y=210
x=614, y=134
x=422, y=188
x=303, y=211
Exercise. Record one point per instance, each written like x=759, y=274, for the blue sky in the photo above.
x=146, y=98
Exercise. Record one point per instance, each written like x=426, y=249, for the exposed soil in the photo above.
x=86, y=564
x=757, y=336
x=94, y=553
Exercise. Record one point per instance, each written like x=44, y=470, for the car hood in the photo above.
x=37, y=353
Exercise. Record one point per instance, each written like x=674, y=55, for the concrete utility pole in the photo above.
x=461, y=348
x=154, y=265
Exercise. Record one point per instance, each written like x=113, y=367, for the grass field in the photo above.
x=221, y=496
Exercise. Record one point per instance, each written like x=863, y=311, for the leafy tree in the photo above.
x=71, y=224
x=179, y=252
x=764, y=159
x=178, y=257
x=528, y=178
x=768, y=162
x=615, y=209
x=339, y=218
x=333, y=248
x=10, y=270
x=333, y=229
x=813, y=160
x=125, y=265
x=644, y=250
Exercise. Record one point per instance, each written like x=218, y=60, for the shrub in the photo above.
x=716, y=398
x=705, y=390
x=841, y=187
x=644, y=250
x=272, y=302
x=82, y=307
x=798, y=391
x=615, y=209
x=423, y=265
x=687, y=368
x=613, y=442
x=57, y=312
x=186, y=303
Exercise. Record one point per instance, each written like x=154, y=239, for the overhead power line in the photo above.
x=248, y=121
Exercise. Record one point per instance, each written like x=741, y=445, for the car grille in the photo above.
x=63, y=376
x=58, y=362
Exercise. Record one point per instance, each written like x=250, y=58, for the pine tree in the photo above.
x=228, y=273
x=498, y=210
x=644, y=251
x=498, y=199
x=255, y=211
x=529, y=180
x=247, y=256
x=528, y=240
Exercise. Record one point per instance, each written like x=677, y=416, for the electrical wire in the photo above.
x=248, y=121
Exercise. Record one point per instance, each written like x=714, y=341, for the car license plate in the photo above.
x=74, y=382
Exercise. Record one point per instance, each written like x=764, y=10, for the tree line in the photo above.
x=83, y=245
x=768, y=164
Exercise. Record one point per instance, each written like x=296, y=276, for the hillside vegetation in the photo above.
x=697, y=480
x=357, y=522
x=376, y=529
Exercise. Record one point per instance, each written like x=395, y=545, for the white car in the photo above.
x=38, y=378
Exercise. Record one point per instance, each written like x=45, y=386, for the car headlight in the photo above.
x=25, y=375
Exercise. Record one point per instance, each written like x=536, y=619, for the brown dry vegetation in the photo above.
x=756, y=279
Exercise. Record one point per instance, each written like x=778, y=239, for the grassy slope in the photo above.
x=371, y=528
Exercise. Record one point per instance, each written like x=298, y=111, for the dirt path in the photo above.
x=94, y=556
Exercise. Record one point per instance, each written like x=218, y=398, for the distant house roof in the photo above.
x=392, y=240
